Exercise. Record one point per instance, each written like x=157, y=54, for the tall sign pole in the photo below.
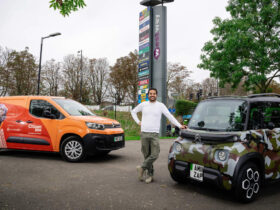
x=157, y=53
x=160, y=58
x=145, y=56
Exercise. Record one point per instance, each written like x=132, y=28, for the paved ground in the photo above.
x=32, y=180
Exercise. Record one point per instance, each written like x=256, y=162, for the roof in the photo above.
x=30, y=96
x=273, y=97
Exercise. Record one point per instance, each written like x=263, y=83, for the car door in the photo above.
x=265, y=119
x=41, y=125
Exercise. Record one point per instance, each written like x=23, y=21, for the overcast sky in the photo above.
x=107, y=28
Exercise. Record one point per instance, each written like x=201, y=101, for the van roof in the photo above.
x=30, y=96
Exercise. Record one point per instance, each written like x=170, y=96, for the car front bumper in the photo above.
x=182, y=169
x=101, y=142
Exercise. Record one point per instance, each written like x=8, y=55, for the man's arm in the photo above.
x=134, y=112
x=171, y=118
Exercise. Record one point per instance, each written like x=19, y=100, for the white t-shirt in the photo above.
x=151, y=116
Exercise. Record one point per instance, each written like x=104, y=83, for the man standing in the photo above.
x=150, y=126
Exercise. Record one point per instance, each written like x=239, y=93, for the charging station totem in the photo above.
x=152, y=68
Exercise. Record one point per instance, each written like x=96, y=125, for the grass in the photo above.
x=131, y=129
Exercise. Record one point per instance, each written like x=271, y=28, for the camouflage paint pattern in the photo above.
x=265, y=142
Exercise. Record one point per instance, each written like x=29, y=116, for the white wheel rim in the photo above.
x=249, y=193
x=246, y=184
x=256, y=188
x=256, y=176
x=250, y=173
x=73, y=150
x=251, y=183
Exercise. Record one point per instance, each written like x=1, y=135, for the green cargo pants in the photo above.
x=150, y=150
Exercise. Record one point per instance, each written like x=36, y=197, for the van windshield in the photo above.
x=219, y=115
x=73, y=108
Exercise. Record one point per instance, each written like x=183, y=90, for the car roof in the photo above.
x=272, y=97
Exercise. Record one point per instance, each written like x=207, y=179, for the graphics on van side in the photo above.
x=3, y=113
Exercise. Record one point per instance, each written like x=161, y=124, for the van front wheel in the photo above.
x=72, y=149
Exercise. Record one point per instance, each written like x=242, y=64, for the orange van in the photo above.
x=56, y=124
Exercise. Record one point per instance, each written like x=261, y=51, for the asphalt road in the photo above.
x=31, y=180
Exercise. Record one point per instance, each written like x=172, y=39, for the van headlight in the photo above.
x=95, y=126
x=221, y=155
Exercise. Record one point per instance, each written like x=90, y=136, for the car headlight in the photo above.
x=95, y=126
x=177, y=147
x=221, y=155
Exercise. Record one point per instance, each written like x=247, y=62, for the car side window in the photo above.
x=264, y=115
x=43, y=109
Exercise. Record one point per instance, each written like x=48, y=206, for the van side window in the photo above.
x=264, y=115
x=39, y=108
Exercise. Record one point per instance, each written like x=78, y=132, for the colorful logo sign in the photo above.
x=144, y=55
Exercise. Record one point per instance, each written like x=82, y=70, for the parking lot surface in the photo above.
x=32, y=180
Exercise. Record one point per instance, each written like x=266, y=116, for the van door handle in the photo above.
x=28, y=121
x=19, y=121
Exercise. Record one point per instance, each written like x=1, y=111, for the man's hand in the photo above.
x=139, y=123
x=184, y=127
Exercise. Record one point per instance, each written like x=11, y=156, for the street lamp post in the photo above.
x=81, y=82
x=39, y=73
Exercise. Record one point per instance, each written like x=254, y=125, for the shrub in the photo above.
x=184, y=107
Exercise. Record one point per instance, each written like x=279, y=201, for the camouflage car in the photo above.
x=233, y=142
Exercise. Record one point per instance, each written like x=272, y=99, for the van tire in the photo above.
x=248, y=184
x=72, y=149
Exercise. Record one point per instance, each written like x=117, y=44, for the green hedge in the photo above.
x=184, y=107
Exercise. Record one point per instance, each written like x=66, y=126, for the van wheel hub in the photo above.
x=73, y=149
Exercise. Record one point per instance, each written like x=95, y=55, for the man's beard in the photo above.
x=152, y=99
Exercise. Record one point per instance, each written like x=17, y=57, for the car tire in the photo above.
x=72, y=149
x=248, y=184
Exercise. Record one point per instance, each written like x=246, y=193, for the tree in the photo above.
x=67, y=6
x=209, y=87
x=23, y=73
x=98, y=76
x=52, y=77
x=4, y=71
x=192, y=91
x=177, y=79
x=71, y=77
x=123, y=77
x=274, y=87
x=238, y=91
x=246, y=46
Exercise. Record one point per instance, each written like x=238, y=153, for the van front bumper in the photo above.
x=101, y=142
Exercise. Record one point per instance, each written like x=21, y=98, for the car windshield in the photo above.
x=73, y=108
x=219, y=115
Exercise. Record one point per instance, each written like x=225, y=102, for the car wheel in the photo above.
x=72, y=149
x=248, y=183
